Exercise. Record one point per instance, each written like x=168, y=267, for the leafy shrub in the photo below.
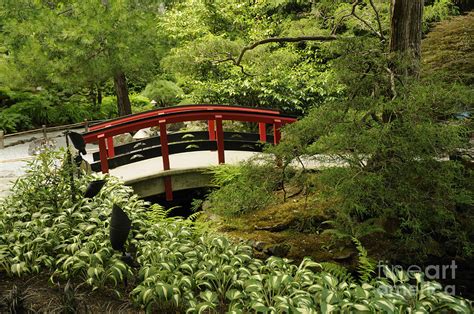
x=165, y=93
x=436, y=12
x=13, y=122
x=26, y=110
x=242, y=188
x=109, y=108
x=395, y=167
x=72, y=112
x=39, y=110
x=42, y=228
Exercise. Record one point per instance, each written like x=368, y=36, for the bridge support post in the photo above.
x=104, y=163
x=262, y=130
x=220, y=140
x=166, y=159
x=276, y=131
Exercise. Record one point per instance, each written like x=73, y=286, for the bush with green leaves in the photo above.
x=393, y=158
x=165, y=93
x=25, y=110
x=179, y=268
x=43, y=228
x=242, y=188
x=439, y=10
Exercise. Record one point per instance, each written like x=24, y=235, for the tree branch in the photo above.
x=392, y=82
x=237, y=62
x=377, y=17
x=367, y=24
x=283, y=40
x=354, y=14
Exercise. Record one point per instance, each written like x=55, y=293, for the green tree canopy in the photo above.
x=82, y=44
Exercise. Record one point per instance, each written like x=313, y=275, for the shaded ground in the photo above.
x=36, y=294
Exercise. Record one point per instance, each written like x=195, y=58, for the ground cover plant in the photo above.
x=177, y=267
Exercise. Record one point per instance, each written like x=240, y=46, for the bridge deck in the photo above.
x=179, y=163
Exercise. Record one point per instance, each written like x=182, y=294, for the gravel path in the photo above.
x=13, y=159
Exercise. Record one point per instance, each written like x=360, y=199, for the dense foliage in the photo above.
x=395, y=140
x=400, y=137
x=243, y=189
x=177, y=52
x=179, y=268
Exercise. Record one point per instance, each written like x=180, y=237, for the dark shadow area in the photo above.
x=182, y=203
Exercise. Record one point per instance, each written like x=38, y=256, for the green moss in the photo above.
x=449, y=49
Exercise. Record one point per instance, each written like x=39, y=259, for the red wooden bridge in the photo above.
x=166, y=144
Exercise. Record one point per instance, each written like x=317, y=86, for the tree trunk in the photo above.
x=405, y=40
x=99, y=96
x=121, y=90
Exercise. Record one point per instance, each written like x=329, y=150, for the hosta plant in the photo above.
x=178, y=268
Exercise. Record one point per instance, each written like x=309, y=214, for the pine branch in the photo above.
x=237, y=62
x=283, y=40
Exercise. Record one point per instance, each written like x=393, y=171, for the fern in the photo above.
x=158, y=213
x=194, y=216
x=224, y=174
x=366, y=266
x=338, y=271
x=201, y=226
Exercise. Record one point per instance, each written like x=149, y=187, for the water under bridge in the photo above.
x=173, y=161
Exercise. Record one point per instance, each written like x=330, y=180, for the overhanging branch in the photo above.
x=283, y=40
x=237, y=61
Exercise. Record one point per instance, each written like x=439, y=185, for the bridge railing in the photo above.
x=182, y=108
x=103, y=133
x=179, y=142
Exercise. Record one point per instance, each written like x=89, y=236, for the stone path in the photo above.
x=14, y=157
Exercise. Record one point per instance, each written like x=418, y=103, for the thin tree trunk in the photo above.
x=405, y=40
x=92, y=96
x=121, y=90
x=99, y=96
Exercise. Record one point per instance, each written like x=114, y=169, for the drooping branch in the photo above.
x=351, y=13
x=283, y=40
x=237, y=62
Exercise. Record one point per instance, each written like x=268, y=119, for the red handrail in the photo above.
x=176, y=117
x=181, y=108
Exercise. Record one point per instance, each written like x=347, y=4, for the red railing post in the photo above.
x=262, y=130
x=104, y=163
x=211, y=127
x=166, y=159
x=110, y=147
x=276, y=131
x=220, y=139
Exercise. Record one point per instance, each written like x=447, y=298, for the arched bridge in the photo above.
x=192, y=152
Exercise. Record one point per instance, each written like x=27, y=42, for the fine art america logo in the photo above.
x=430, y=272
